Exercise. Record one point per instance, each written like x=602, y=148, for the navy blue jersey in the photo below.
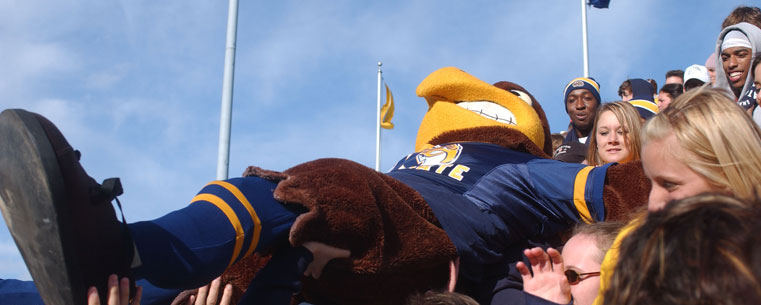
x=490, y=199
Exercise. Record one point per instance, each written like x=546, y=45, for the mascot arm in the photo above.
x=626, y=191
x=611, y=192
x=544, y=197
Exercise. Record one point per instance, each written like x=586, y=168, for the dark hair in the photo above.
x=694, y=251
x=671, y=73
x=625, y=86
x=557, y=140
x=749, y=14
x=673, y=89
x=693, y=83
x=432, y=297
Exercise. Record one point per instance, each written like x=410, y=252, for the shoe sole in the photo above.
x=32, y=197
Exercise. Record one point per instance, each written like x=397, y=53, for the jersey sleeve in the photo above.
x=542, y=197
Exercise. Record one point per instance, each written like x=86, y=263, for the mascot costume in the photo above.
x=452, y=215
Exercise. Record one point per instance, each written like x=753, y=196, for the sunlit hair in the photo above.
x=717, y=139
x=697, y=250
x=742, y=13
x=628, y=117
x=603, y=233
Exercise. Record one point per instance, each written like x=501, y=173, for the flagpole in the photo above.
x=378, y=120
x=223, y=157
x=584, y=37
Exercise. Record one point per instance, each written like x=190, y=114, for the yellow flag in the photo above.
x=387, y=111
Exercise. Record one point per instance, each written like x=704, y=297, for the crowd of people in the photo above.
x=687, y=248
x=697, y=138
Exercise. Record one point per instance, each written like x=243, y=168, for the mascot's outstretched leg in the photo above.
x=61, y=219
x=67, y=231
x=226, y=221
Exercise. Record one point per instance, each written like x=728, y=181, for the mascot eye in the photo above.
x=523, y=95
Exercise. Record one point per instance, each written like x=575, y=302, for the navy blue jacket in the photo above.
x=491, y=199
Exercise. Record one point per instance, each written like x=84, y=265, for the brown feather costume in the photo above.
x=397, y=245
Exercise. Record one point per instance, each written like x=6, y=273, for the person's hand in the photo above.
x=118, y=293
x=549, y=281
x=322, y=254
x=209, y=294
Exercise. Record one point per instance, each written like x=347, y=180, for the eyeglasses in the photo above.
x=575, y=277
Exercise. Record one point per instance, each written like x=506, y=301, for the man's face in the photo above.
x=581, y=106
x=674, y=80
x=736, y=63
x=627, y=96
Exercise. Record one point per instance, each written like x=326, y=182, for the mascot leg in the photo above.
x=65, y=226
x=227, y=221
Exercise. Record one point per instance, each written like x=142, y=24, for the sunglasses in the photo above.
x=575, y=277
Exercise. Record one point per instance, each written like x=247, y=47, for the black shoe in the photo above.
x=61, y=219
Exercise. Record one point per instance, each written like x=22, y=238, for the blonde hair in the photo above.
x=720, y=141
x=628, y=117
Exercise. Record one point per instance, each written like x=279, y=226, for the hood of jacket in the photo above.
x=754, y=36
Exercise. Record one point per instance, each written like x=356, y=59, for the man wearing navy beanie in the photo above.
x=582, y=97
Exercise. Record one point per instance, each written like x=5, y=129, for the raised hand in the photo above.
x=549, y=281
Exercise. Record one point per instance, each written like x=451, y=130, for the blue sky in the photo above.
x=136, y=85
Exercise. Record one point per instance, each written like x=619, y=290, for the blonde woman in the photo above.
x=703, y=142
x=616, y=136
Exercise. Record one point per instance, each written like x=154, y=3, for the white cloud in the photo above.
x=109, y=77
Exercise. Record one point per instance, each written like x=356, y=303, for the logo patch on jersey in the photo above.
x=439, y=155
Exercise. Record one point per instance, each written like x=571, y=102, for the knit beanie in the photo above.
x=583, y=83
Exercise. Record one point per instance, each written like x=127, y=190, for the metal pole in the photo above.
x=584, y=36
x=377, y=122
x=223, y=158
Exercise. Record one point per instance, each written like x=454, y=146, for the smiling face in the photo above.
x=582, y=255
x=671, y=178
x=581, y=106
x=612, y=140
x=736, y=63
